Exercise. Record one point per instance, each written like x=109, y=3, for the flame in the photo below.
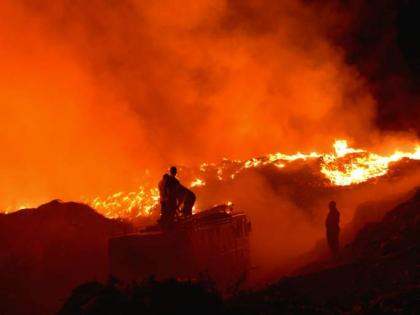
x=127, y=205
x=342, y=149
x=360, y=165
x=197, y=183
x=345, y=166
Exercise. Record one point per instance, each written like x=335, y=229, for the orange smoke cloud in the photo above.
x=94, y=93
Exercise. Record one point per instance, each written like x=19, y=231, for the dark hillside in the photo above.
x=379, y=272
x=47, y=251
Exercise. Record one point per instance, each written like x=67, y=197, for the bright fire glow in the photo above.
x=345, y=166
x=349, y=166
x=341, y=148
x=127, y=205
x=197, y=183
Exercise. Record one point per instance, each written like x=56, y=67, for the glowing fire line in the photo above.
x=346, y=166
x=360, y=168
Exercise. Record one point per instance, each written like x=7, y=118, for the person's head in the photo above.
x=332, y=205
x=173, y=171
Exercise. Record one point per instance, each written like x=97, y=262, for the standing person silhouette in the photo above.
x=168, y=188
x=174, y=197
x=332, y=224
x=171, y=186
x=164, y=200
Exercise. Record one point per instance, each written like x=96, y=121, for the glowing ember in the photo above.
x=198, y=182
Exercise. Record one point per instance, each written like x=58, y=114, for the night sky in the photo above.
x=381, y=39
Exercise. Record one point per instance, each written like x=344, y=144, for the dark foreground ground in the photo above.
x=47, y=251
x=377, y=273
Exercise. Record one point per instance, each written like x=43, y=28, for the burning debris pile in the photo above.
x=345, y=166
x=123, y=205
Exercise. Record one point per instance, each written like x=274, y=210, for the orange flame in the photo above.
x=197, y=183
x=346, y=166
x=360, y=167
x=127, y=205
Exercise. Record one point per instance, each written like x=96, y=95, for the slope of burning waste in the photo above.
x=344, y=167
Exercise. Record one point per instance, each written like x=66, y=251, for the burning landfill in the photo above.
x=272, y=111
x=345, y=166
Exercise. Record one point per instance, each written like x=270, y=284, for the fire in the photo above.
x=350, y=166
x=132, y=204
x=341, y=148
x=197, y=183
x=127, y=205
x=345, y=166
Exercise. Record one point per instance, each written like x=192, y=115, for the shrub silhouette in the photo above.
x=147, y=297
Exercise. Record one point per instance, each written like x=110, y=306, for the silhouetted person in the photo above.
x=186, y=199
x=172, y=185
x=172, y=182
x=168, y=188
x=174, y=197
x=332, y=225
x=164, y=199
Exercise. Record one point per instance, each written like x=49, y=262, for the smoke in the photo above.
x=94, y=93
x=98, y=95
x=288, y=207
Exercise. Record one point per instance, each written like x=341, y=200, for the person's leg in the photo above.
x=163, y=213
x=172, y=205
x=188, y=203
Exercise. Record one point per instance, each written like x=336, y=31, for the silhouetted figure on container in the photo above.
x=164, y=200
x=172, y=185
x=174, y=197
x=332, y=225
x=168, y=197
